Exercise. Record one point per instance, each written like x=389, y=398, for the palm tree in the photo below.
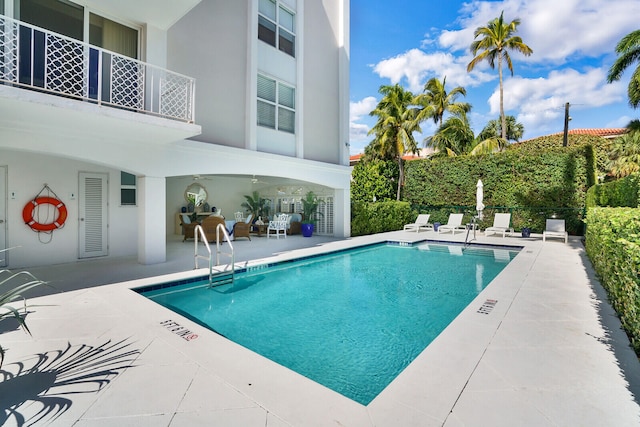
x=455, y=137
x=628, y=50
x=634, y=125
x=256, y=205
x=497, y=39
x=435, y=101
x=493, y=128
x=625, y=155
x=395, y=126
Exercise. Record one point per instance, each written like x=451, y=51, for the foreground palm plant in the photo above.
x=15, y=284
x=628, y=50
x=624, y=155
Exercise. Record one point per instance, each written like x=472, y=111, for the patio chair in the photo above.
x=188, y=227
x=421, y=223
x=209, y=226
x=239, y=216
x=555, y=228
x=278, y=226
x=501, y=224
x=242, y=229
x=295, y=224
x=454, y=224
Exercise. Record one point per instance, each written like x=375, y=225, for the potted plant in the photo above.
x=310, y=212
x=256, y=205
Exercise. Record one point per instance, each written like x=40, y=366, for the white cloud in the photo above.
x=622, y=122
x=361, y=108
x=358, y=132
x=357, y=111
x=540, y=100
x=554, y=29
x=416, y=67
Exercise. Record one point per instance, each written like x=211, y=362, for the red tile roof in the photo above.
x=422, y=153
x=605, y=133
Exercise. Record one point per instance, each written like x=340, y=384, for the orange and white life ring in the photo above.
x=27, y=214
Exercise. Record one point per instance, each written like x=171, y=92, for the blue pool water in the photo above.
x=351, y=321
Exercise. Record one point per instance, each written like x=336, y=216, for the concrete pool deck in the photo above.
x=549, y=352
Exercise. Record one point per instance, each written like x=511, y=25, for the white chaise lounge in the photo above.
x=501, y=224
x=421, y=223
x=555, y=228
x=454, y=224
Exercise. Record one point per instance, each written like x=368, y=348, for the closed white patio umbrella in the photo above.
x=479, y=197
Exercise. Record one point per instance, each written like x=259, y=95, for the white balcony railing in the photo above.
x=38, y=59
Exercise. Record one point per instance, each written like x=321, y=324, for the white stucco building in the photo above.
x=118, y=106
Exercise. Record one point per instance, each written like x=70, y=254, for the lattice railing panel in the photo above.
x=175, y=96
x=8, y=50
x=66, y=66
x=127, y=82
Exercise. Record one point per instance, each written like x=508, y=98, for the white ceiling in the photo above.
x=159, y=13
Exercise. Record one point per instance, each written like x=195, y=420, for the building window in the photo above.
x=127, y=189
x=276, y=26
x=276, y=105
x=113, y=36
x=66, y=18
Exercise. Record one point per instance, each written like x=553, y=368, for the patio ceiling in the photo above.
x=158, y=13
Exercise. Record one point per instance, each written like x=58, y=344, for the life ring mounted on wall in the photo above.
x=58, y=222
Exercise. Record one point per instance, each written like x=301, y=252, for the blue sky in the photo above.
x=573, y=41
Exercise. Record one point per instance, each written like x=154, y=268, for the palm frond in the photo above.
x=14, y=293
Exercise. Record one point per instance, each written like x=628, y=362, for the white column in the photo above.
x=152, y=224
x=342, y=213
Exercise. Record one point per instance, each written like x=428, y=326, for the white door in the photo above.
x=92, y=214
x=3, y=215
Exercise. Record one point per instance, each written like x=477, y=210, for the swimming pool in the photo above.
x=351, y=321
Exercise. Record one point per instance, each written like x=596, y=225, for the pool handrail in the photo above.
x=199, y=232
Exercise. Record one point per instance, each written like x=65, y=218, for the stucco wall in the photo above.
x=26, y=175
x=320, y=82
x=210, y=44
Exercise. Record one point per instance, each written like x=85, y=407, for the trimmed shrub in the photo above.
x=613, y=246
x=624, y=192
x=533, y=185
x=600, y=147
x=371, y=218
x=374, y=178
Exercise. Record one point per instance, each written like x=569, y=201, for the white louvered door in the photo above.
x=325, y=222
x=93, y=203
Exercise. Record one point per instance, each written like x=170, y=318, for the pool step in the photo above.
x=221, y=279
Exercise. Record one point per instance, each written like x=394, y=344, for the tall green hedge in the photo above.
x=374, y=178
x=529, y=182
x=620, y=193
x=600, y=147
x=370, y=218
x=613, y=245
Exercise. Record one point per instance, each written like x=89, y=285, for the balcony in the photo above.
x=37, y=59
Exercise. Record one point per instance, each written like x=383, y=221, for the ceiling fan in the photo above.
x=255, y=180
x=201, y=177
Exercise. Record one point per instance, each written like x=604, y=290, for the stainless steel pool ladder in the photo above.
x=199, y=232
x=469, y=227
